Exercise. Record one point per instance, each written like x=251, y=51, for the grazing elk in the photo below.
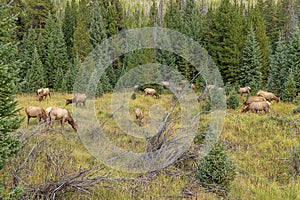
x=269, y=96
x=77, y=99
x=42, y=93
x=151, y=91
x=243, y=90
x=63, y=115
x=251, y=99
x=35, y=112
x=257, y=106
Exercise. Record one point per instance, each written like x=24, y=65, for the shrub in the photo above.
x=233, y=100
x=297, y=110
x=216, y=171
x=133, y=96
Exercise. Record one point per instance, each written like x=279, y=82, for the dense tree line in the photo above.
x=256, y=45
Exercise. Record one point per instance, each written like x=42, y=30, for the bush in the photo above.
x=233, y=100
x=297, y=110
x=216, y=171
x=133, y=96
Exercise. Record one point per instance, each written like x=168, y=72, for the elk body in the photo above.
x=251, y=99
x=43, y=93
x=243, y=90
x=63, y=115
x=257, y=106
x=151, y=91
x=269, y=96
x=77, y=99
x=35, y=112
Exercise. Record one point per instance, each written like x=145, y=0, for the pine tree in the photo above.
x=27, y=50
x=68, y=27
x=9, y=116
x=258, y=23
x=59, y=75
x=226, y=36
x=289, y=92
x=173, y=18
x=81, y=43
x=293, y=57
x=278, y=68
x=251, y=66
x=37, y=12
x=97, y=28
x=35, y=76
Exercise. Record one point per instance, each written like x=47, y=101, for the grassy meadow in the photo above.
x=259, y=144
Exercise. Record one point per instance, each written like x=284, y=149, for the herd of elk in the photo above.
x=54, y=113
x=252, y=103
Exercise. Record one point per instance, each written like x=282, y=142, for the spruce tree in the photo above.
x=81, y=43
x=27, y=49
x=293, y=57
x=289, y=92
x=173, y=18
x=9, y=116
x=258, y=23
x=278, y=68
x=35, y=76
x=59, y=75
x=226, y=35
x=68, y=27
x=97, y=28
x=251, y=66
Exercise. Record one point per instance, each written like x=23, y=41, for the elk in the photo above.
x=63, y=115
x=151, y=91
x=77, y=99
x=35, y=112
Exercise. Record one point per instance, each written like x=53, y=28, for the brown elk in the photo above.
x=251, y=99
x=77, y=99
x=35, y=112
x=151, y=91
x=43, y=93
x=257, y=106
x=269, y=96
x=63, y=115
x=243, y=90
x=138, y=114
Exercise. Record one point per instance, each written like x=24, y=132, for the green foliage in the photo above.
x=9, y=118
x=133, y=96
x=258, y=23
x=293, y=57
x=97, y=28
x=35, y=77
x=58, y=77
x=251, y=66
x=216, y=171
x=297, y=110
x=68, y=25
x=224, y=36
x=279, y=68
x=233, y=100
x=289, y=92
x=81, y=37
x=16, y=193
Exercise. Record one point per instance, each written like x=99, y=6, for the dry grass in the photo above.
x=258, y=144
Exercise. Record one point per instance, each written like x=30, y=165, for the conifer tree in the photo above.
x=97, y=28
x=35, y=76
x=226, y=36
x=9, y=117
x=278, y=68
x=58, y=79
x=81, y=44
x=28, y=44
x=258, y=23
x=251, y=66
x=293, y=57
x=68, y=27
x=173, y=16
x=289, y=92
